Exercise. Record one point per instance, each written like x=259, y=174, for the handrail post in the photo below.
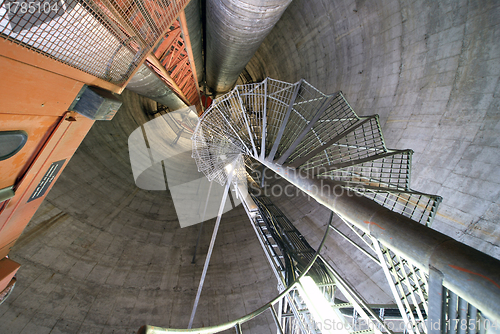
x=276, y=319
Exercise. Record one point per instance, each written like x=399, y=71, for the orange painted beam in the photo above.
x=187, y=40
x=155, y=62
x=166, y=44
x=173, y=55
x=181, y=65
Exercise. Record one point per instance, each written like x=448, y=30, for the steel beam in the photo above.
x=471, y=274
x=177, y=90
x=371, y=257
x=187, y=41
x=211, y=247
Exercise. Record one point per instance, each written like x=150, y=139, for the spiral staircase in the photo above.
x=296, y=127
x=299, y=126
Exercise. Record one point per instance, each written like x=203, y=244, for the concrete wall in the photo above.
x=103, y=256
x=431, y=70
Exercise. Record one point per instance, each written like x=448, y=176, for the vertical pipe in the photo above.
x=463, y=322
x=146, y=83
x=472, y=319
x=435, y=302
x=280, y=312
x=235, y=30
x=264, y=125
x=473, y=275
x=444, y=309
x=276, y=319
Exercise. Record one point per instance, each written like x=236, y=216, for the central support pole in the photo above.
x=469, y=273
x=212, y=243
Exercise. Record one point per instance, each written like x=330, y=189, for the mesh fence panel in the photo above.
x=107, y=39
x=279, y=96
x=253, y=99
x=308, y=101
x=337, y=118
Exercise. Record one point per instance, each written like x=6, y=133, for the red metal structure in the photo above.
x=44, y=68
x=173, y=54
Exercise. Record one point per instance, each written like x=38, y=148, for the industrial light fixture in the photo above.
x=320, y=308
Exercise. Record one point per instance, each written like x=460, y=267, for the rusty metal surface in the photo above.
x=8, y=269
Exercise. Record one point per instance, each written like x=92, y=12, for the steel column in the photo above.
x=211, y=247
x=264, y=125
x=234, y=31
x=177, y=90
x=371, y=257
x=473, y=275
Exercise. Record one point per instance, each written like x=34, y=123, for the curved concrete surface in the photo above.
x=103, y=256
x=431, y=70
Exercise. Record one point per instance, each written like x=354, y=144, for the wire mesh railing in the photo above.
x=107, y=39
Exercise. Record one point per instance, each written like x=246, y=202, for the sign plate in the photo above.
x=47, y=179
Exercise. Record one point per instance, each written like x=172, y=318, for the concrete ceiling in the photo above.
x=102, y=256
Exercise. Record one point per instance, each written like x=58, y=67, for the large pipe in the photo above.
x=146, y=83
x=235, y=30
x=471, y=274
